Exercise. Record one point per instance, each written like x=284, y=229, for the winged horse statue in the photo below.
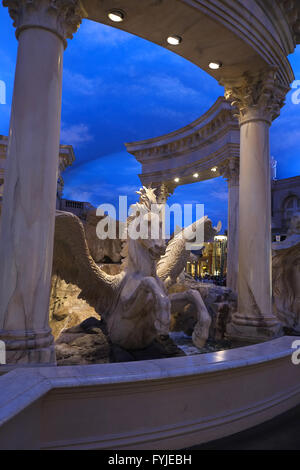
x=134, y=304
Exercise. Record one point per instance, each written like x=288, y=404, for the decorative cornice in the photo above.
x=291, y=9
x=203, y=166
x=257, y=97
x=62, y=17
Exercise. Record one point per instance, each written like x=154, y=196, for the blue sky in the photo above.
x=119, y=88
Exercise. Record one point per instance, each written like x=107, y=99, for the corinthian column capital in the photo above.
x=230, y=170
x=257, y=97
x=163, y=191
x=62, y=17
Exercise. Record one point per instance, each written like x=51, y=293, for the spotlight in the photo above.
x=195, y=175
x=116, y=16
x=176, y=180
x=174, y=40
x=215, y=65
x=214, y=169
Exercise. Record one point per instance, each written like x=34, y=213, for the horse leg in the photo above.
x=161, y=303
x=193, y=297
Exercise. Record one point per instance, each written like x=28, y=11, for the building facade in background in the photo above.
x=285, y=203
x=66, y=159
x=210, y=262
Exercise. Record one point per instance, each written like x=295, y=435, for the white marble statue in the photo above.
x=134, y=304
x=286, y=277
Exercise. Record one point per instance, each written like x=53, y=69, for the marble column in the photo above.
x=230, y=172
x=258, y=100
x=28, y=212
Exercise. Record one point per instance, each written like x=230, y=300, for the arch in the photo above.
x=290, y=206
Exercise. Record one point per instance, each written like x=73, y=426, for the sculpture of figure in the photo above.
x=134, y=304
x=169, y=268
x=286, y=277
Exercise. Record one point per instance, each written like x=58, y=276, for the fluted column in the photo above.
x=28, y=212
x=258, y=100
x=230, y=172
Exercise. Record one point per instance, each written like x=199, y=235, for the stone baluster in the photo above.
x=28, y=214
x=258, y=100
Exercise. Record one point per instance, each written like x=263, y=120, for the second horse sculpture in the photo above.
x=134, y=304
x=286, y=277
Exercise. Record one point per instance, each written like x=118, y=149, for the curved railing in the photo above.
x=158, y=404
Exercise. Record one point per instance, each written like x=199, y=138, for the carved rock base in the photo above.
x=89, y=343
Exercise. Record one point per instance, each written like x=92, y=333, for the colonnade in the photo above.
x=28, y=213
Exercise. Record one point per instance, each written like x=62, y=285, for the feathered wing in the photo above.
x=73, y=263
x=172, y=263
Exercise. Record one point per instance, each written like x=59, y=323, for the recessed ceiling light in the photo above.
x=174, y=40
x=214, y=169
x=215, y=65
x=176, y=180
x=116, y=15
x=195, y=175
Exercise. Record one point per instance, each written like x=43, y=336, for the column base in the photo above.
x=253, y=330
x=31, y=347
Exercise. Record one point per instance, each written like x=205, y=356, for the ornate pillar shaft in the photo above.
x=258, y=100
x=28, y=214
x=231, y=173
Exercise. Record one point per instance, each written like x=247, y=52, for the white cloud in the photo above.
x=132, y=167
x=7, y=65
x=155, y=85
x=221, y=195
x=78, y=194
x=97, y=33
x=127, y=190
x=167, y=85
x=76, y=82
x=75, y=135
x=163, y=85
x=100, y=193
